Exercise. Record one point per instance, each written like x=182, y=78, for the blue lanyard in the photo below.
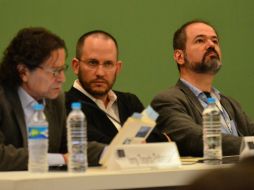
x=226, y=118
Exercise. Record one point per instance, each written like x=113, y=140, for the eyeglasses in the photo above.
x=55, y=71
x=94, y=64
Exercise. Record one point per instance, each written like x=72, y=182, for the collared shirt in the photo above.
x=27, y=103
x=111, y=109
x=228, y=126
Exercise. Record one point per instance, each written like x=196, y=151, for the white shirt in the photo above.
x=27, y=103
x=111, y=109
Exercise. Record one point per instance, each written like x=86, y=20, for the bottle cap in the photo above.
x=75, y=105
x=210, y=100
x=38, y=107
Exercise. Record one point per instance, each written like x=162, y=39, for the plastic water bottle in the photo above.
x=38, y=141
x=77, y=139
x=212, y=133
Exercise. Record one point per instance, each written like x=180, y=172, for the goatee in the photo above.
x=209, y=64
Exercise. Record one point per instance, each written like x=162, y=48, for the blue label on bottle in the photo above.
x=38, y=132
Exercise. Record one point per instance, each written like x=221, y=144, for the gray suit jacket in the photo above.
x=180, y=116
x=13, y=134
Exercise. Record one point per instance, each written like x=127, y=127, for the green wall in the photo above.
x=144, y=30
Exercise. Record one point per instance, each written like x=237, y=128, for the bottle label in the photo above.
x=38, y=132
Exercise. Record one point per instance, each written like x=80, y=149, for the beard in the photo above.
x=208, y=64
x=96, y=92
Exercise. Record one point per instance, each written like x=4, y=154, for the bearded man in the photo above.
x=198, y=56
x=96, y=65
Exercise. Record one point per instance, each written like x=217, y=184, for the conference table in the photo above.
x=101, y=178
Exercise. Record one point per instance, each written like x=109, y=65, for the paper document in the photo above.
x=134, y=131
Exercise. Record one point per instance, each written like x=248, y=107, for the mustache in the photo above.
x=211, y=50
x=99, y=79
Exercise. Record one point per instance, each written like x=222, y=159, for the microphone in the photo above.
x=97, y=108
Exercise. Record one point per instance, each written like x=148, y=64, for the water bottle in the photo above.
x=212, y=133
x=38, y=141
x=77, y=139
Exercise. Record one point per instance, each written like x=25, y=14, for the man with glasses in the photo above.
x=96, y=65
x=32, y=71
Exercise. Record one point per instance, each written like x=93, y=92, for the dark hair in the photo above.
x=179, y=40
x=30, y=47
x=81, y=40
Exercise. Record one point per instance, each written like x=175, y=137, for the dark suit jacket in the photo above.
x=180, y=116
x=13, y=132
x=100, y=128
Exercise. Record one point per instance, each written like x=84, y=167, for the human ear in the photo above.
x=75, y=65
x=119, y=66
x=23, y=72
x=179, y=56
